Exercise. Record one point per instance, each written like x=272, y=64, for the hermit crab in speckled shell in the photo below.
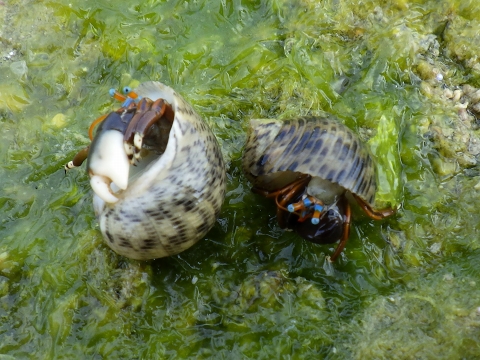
x=157, y=172
x=308, y=165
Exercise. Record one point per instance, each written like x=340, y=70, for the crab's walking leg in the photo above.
x=374, y=214
x=282, y=196
x=78, y=159
x=160, y=112
x=148, y=113
x=95, y=123
x=346, y=232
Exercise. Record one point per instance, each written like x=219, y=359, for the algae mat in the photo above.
x=404, y=76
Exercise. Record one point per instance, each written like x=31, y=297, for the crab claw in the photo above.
x=101, y=187
x=108, y=165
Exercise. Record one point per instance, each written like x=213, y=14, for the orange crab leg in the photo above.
x=288, y=192
x=346, y=233
x=275, y=193
x=283, y=195
x=374, y=214
x=95, y=123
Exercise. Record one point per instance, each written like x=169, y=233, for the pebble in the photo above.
x=59, y=120
x=19, y=68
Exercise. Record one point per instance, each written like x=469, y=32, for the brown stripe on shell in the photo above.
x=321, y=147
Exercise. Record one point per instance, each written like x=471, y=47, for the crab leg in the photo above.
x=78, y=159
x=346, y=232
x=374, y=214
x=282, y=196
x=285, y=193
x=159, y=109
x=148, y=113
x=95, y=123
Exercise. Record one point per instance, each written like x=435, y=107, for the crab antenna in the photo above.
x=127, y=99
x=116, y=95
x=301, y=205
x=316, y=213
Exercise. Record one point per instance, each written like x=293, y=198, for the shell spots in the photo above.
x=189, y=205
x=148, y=244
x=109, y=236
x=341, y=175
x=316, y=144
x=263, y=134
x=124, y=242
x=263, y=160
x=202, y=228
x=281, y=135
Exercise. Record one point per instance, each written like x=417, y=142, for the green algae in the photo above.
x=431, y=316
x=404, y=287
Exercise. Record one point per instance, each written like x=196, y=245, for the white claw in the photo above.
x=101, y=187
x=108, y=162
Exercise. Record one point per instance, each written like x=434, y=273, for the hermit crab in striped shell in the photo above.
x=157, y=173
x=308, y=165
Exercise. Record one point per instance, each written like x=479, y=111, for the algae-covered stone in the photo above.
x=406, y=287
x=438, y=318
x=463, y=42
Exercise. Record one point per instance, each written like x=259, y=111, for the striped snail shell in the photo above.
x=171, y=200
x=277, y=150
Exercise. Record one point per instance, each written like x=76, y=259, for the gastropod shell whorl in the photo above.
x=172, y=197
x=308, y=165
x=321, y=147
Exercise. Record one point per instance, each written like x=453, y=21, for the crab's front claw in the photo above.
x=101, y=186
x=108, y=165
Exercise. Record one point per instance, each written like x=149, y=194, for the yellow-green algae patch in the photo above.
x=403, y=75
x=430, y=319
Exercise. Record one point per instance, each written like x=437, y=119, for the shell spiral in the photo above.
x=173, y=202
x=318, y=146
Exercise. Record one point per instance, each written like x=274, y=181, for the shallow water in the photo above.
x=405, y=287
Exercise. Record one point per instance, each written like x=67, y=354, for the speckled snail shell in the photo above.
x=174, y=201
x=318, y=146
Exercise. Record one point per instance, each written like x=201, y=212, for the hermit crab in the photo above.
x=157, y=173
x=308, y=165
